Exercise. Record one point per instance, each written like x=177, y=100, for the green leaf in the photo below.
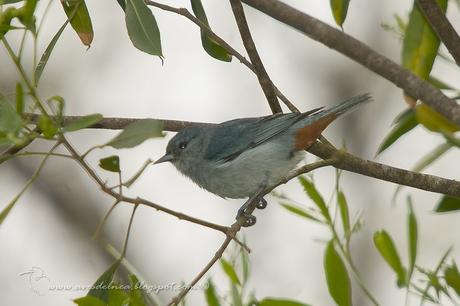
x=46, y=55
x=452, y=277
x=83, y=122
x=210, y=294
x=10, y=1
x=425, y=161
x=118, y=297
x=136, y=297
x=210, y=46
x=406, y=121
x=245, y=264
x=237, y=299
x=136, y=133
x=440, y=84
x=47, y=126
x=413, y=238
x=26, y=15
x=111, y=163
x=420, y=45
x=19, y=98
x=338, y=281
x=344, y=213
x=339, y=10
x=448, y=204
x=10, y=121
x=122, y=4
x=300, y=212
x=89, y=301
x=142, y=27
x=387, y=249
x=103, y=283
x=279, y=302
x=5, y=142
x=230, y=271
x=80, y=20
x=313, y=193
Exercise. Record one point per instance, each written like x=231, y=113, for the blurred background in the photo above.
x=51, y=227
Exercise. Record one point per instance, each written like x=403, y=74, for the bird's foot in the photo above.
x=248, y=219
x=261, y=204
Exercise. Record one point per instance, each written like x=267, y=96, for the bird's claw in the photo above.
x=248, y=219
x=261, y=204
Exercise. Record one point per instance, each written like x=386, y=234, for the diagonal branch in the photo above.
x=185, y=13
x=361, y=53
x=250, y=46
x=442, y=27
x=344, y=160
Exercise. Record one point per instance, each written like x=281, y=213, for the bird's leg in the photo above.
x=250, y=219
x=261, y=204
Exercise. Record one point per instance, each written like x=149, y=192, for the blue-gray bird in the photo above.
x=243, y=157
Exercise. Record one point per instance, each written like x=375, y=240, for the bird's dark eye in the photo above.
x=182, y=145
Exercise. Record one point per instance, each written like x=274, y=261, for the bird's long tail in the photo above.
x=314, y=124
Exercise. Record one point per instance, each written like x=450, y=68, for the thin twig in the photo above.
x=346, y=161
x=128, y=232
x=362, y=54
x=137, y=201
x=185, y=13
x=176, y=300
x=442, y=27
x=236, y=227
x=251, y=49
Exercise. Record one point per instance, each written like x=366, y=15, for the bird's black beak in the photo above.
x=165, y=158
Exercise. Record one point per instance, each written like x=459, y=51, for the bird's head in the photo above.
x=184, y=147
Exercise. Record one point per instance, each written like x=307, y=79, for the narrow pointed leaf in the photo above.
x=111, y=163
x=83, y=122
x=404, y=124
x=80, y=20
x=313, y=193
x=10, y=121
x=89, y=301
x=420, y=45
x=236, y=295
x=46, y=55
x=10, y=1
x=338, y=281
x=300, y=212
x=19, y=99
x=339, y=10
x=47, y=126
x=230, y=271
x=387, y=249
x=210, y=294
x=99, y=289
x=142, y=27
x=440, y=84
x=448, y=204
x=136, y=133
x=118, y=297
x=344, y=213
x=433, y=120
x=210, y=46
x=136, y=294
x=279, y=302
x=452, y=277
x=413, y=238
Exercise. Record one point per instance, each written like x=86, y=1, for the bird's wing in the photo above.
x=232, y=138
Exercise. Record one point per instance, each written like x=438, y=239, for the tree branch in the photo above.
x=442, y=27
x=343, y=160
x=361, y=53
x=250, y=46
x=185, y=13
